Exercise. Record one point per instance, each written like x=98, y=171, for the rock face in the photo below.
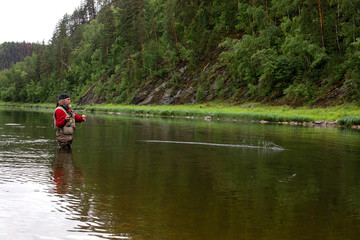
x=90, y=97
x=159, y=93
x=164, y=94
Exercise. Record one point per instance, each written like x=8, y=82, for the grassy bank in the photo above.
x=345, y=114
x=27, y=105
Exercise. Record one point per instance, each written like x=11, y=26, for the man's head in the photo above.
x=64, y=99
x=64, y=96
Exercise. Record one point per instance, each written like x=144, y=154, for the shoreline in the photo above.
x=322, y=124
x=343, y=116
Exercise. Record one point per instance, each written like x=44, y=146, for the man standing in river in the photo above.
x=64, y=121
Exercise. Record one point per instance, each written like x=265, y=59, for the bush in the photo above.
x=297, y=91
x=200, y=93
x=349, y=121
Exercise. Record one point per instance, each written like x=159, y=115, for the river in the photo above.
x=130, y=177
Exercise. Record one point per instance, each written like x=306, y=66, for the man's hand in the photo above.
x=67, y=118
x=83, y=118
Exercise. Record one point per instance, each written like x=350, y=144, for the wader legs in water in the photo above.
x=64, y=146
x=64, y=141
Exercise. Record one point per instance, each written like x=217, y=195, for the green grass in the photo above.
x=27, y=105
x=227, y=111
x=349, y=121
x=346, y=114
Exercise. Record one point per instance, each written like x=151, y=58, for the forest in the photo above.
x=11, y=52
x=282, y=52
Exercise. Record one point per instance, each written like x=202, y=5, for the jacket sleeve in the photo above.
x=60, y=118
x=78, y=118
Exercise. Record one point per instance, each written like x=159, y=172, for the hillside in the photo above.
x=174, y=52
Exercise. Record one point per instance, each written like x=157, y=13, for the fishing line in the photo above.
x=274, y=147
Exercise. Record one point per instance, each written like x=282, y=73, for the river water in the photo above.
x=161, y=178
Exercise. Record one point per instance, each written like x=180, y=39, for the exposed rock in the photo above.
x=90, y=97
x=151, y=94
x=248, y=106
x=166, y=97
x=186, y=96
x=169, y=101
x=183, y=69
x=140, y=97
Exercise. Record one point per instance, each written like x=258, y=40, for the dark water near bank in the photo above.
x=148, y=178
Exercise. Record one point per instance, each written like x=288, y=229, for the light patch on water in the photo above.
x=28, y=211
x=36, y=141
x=287, y=179
x=16, y=125
x=9, y=139
x=268, y=146
x=41, y=127
x=22, y=156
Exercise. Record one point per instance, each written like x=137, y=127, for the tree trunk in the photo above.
x=267, y=11
x=142, y=33
x=133, y=62
x=321, y=25
x=253, y=16
x=133, y=12
x=155, y=30
x=209, y=13
x=174, y=29
x=193, y=7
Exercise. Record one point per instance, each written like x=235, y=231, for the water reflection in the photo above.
x=65, y=174
x=73, y=198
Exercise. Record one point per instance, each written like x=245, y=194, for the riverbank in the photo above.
x=343, y=115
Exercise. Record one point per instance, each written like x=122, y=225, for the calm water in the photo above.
x=149, y=178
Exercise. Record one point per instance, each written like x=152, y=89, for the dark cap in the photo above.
x=64, y=96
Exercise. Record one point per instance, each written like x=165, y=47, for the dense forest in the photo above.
x=11, y=52
x=120, y=51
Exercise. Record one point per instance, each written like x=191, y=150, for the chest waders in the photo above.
x=64, y=135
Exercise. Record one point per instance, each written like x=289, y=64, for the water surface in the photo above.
x=161, y=178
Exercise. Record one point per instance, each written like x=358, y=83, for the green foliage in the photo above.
x=353, y=70
x=349, y=121
x=297, y=91
x=11, y=53
x=200, y=93
x=220, y=86
x=269, y=49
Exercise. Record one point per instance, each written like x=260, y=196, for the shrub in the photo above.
x=200, y=93
x=297, y=91
x=349, y=121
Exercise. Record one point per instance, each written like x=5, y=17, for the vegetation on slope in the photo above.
x=283, y=52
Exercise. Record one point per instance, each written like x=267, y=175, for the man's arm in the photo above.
x=60, y=118
x=79, y=118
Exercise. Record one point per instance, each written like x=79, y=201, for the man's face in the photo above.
x=67, y=101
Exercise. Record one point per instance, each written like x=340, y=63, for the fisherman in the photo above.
x=64, y=121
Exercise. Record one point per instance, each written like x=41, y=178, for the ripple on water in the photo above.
x=24, y=160
x=16, y=125
x=27, y=212
x=29, y=206
x=24, y=171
